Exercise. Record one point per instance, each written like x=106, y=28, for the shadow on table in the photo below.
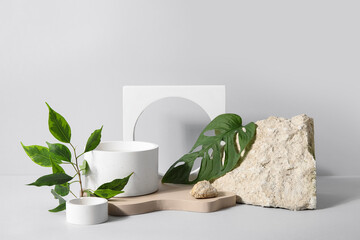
x=334, y=191
x=117, y=218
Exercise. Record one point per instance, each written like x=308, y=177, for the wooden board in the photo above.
x=169, y=197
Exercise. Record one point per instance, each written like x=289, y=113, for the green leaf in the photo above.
x=84, y=167
x=52, y=179
x=216, y=158
x=59, y=152
x=58, y=126
x=39, y=154
x=117, y=184
x=59, y=208
x=113, y=188
x=93, y=140
x=62, y=202
x=106, y=193
x=56, y=196
x=62, y=189
x=56, y=167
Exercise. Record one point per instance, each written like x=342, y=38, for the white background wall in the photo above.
x=278, y=58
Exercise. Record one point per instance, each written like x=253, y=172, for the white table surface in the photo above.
x=24, y=215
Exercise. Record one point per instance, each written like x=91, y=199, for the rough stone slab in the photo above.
x=280, y=169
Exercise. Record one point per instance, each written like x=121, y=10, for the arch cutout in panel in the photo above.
x=174, y=124
x=137, y=98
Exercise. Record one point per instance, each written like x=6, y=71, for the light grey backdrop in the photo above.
x=278, y=58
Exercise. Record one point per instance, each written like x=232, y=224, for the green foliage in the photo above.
x=58, y=126
x=56, y=168
x=59, y=152
x=39, y=154
x=59, y=208
x=222, y=144
x=51, y=179
x=62, y=189
x=84, y=167
x=93, y=140
x=113, y=188
x=106, y=193
x=117, y=184
x=62, y=202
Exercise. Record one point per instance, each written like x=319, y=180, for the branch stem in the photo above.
x=76, y=167
x=73, y=193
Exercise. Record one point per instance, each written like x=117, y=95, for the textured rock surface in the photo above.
x=203, y=189
x=279, y=170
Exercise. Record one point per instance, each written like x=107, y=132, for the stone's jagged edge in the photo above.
x=279, y=170
x=311, y=149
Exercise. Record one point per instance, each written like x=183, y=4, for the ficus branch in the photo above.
x=57, y=153
x=77, y=170
x=73, y=194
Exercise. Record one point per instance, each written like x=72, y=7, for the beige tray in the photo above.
x=170, y=197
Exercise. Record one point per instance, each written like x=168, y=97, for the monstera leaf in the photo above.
x=222, y=146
